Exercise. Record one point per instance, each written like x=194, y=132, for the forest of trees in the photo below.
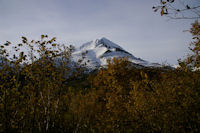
x=40, y=93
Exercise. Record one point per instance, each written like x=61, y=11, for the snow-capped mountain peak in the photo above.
x=99, y=43
x=97, y=52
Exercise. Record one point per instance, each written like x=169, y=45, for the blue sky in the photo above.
x=130, y=23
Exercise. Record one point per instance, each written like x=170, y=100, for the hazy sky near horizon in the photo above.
x=132, y=24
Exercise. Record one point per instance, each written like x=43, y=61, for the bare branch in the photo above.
x=186, y=11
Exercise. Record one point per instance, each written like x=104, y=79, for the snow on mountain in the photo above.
x=96, y=53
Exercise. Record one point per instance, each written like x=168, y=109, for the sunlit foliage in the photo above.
x=38, y=94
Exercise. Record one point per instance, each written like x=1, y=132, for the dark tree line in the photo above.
x=37, y=96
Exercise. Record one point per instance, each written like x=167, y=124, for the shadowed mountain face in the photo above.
x=96, y=53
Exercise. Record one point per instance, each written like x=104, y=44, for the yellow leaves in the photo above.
x=21, y=54
x=162, y=12
x=116, y=99
x=146, y=76
x=53, y=39
x=54, y=44
x=3, y=51
x=163, y=2
x=44, y=36
x=192, y=61
x=43, y=48
x=24, y=39
x=47, y=52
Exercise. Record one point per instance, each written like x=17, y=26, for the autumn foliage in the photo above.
x=37, y=94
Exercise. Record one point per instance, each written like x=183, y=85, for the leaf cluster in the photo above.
x=46, y=96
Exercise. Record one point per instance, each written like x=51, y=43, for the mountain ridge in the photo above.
x=95, y=54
